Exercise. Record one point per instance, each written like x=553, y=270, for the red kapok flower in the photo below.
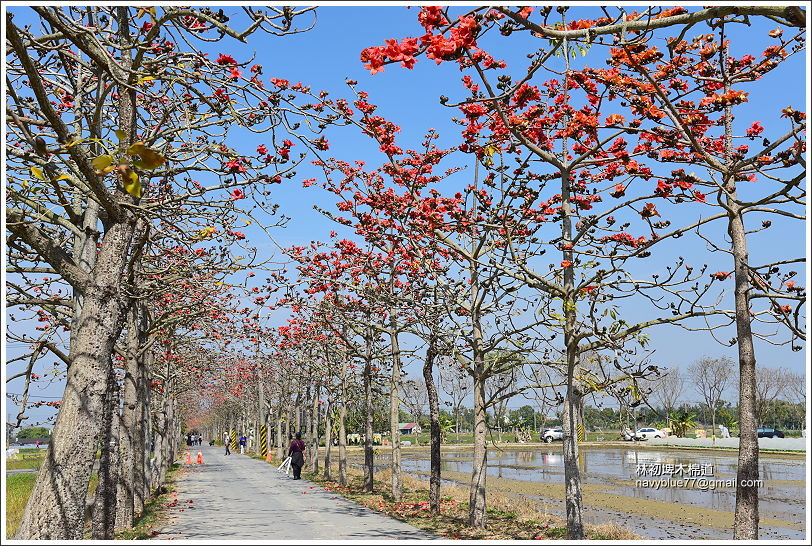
x=225, y=59
x=234, y=166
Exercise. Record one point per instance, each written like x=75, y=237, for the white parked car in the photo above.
x=552, y=434
x=648, y=433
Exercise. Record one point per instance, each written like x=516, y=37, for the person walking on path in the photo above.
x=243, y=441
x=296, y=453
x=226, y=441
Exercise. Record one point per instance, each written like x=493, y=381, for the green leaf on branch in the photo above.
x=37, y=172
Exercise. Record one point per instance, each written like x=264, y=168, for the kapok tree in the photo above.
x=571, y=153
x=397, y=206
x=108, y=131
x=344, y=277
x=752, y=172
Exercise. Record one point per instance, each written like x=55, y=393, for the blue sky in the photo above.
x=329, y=54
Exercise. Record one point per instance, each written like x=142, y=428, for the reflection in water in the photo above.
x=617, y=469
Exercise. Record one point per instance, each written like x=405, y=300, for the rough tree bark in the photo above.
x=477, y=509
x=328, y=439
x=130, y=475
x=434, y=420
x=746, y=517
x=572, y=402
x=104, y=504
x=342, y=428
x=314, y=430
x=369, y=456
x=394, y=411
x=280, y=443
x=55, y=509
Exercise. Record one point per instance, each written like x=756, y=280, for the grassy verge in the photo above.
x=154, y=513
x=27, y=461
x=18, y=489
x=509, y=518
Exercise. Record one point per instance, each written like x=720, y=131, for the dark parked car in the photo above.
x=770, y=433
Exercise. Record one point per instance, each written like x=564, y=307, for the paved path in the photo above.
x=236, y=497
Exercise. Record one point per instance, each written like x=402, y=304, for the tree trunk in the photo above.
x=161, y=449
x=572, y=402
x=314, y=426
x=342, y=440
x=132, y=425
x=572, y=475
x=55, y=509
x=477, y=515
x=288, y=431
x=146, y=429
x=262, y=413
x=394, y=412
x=104, y=505
x=328, y=439
x=746, y=519
x=477, y=509
x=297, y=413
x=434, y=419
x=280, y=443
x=140, y=447
x=369, y=456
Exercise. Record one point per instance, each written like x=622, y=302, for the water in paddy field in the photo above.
x=615, y=470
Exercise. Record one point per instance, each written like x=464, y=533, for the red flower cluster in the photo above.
x=226, y=59
x=625, y=239
x=755, y=129
x=438, y=47
x=235, y=166
x=431, y=17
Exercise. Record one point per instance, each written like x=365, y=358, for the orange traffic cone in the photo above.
x=268, y=457
x=199, y=457
x=188, y=458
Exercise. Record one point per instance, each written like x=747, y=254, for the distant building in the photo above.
x=409, y=428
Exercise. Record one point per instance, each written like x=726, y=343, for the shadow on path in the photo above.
x=234, y=497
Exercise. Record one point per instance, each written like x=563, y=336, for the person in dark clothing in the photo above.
x=296, y=453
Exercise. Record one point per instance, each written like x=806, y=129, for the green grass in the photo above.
x=495, y=512
x=557, y=532
x=153, y=513
x=29, y=461
x=18, y=489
